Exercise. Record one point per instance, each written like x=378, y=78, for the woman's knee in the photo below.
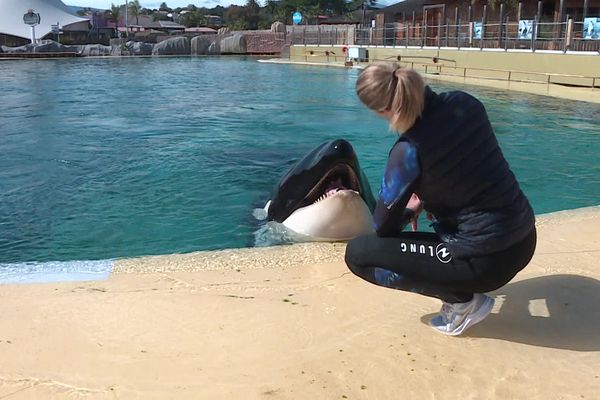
x=354, y=257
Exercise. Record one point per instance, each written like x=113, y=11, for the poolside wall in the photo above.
x=264, y=42
x=501, y=65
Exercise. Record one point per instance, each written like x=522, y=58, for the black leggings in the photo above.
x=419, y=262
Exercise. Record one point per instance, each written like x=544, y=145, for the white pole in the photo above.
x=126, y=19
x=33, y=34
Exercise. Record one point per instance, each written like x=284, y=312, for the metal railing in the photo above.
x=437, y=66
x=528, y=35
x=317, y=35
x=323, y=55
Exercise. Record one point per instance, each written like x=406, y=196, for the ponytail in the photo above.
x=385, y=86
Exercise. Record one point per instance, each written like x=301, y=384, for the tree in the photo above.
x=113, y=14
x=218, y=10
x=354, y=5
x=509, y=5
x=135, y=9
x=252, y=10
x=193, y=18
x=235, y=18
x=252, y=16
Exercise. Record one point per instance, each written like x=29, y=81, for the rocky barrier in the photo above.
x=225, y=42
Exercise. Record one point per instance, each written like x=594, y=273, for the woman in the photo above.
x=446, y=161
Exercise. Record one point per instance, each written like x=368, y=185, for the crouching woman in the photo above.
x=447, y=162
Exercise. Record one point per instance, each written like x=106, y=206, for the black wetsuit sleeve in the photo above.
x=401, y=174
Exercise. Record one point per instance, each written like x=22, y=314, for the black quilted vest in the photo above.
x=465, y=181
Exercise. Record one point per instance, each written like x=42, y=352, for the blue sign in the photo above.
x=296, y=17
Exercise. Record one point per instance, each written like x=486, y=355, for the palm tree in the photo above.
x=135, y=8
x=113, y=15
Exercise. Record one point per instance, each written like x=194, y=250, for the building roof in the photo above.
x=51, y=12
x=170, y=25
x=201, y=29
x=409, y=6
x=143, y=21
x=352, y=17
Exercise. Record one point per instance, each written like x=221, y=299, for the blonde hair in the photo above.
x=385, y=86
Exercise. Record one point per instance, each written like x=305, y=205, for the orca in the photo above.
x=325, y=196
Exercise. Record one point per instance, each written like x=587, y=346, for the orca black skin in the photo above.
x=317, y=172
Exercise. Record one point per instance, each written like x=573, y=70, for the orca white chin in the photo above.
x=337, y=216
x=325, y=196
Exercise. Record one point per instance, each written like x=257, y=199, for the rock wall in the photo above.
x=199, y=45
x=264, y=42
x=53, y=47
x=177, y=46
x=49, y=46
x=45, y=46
x=233, y=44
x=278, y=27
x=214, y=49
x=16, y=50
x=139, y=48
x=246, y=42
x=99, y=50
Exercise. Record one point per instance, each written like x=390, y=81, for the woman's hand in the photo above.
x=416, y=205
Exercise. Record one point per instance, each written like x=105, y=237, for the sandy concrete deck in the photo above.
x=292, y=323
x=559, y=91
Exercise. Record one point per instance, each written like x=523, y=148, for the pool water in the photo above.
x=108, y=158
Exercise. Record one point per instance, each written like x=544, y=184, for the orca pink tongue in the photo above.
x=332, y=189
x=335, y=186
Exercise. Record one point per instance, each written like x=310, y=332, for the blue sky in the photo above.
x=105, y=4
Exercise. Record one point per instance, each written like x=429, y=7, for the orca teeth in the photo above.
x=340, y=177
x=328, y=194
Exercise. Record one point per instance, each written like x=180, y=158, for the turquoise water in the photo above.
x=105, y=158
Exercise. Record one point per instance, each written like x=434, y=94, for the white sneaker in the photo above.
x=455, y=318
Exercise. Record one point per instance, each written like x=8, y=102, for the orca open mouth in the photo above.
x=330, y=171
x=340, y=177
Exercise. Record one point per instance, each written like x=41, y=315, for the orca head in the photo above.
x=328, y=169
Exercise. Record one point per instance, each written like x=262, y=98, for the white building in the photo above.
x=51, y=12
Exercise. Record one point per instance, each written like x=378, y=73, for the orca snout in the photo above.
x=341, y=145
